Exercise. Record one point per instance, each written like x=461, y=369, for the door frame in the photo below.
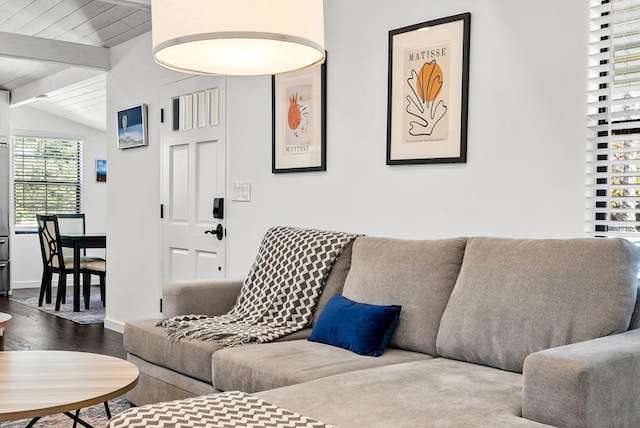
x=164, y=152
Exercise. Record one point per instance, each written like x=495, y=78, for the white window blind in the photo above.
x=47, y=178
x=613, y=155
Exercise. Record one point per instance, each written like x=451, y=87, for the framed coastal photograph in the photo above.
x=101, y=170
x=428, y=91
x=132, y=127
x=299, y=111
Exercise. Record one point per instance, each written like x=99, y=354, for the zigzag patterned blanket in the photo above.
x=223, y=410
x=279, y=295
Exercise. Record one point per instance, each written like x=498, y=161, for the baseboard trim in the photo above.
x=15, y=285
x=116, y=326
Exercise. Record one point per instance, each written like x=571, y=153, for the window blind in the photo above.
x=47, y=178
x=613, y=154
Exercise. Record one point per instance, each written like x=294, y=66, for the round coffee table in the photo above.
x=39, y=383
x=5, y=319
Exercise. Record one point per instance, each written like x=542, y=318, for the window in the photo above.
x=613, y=156
x=47, y=178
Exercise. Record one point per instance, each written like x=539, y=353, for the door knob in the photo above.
x=218, y=231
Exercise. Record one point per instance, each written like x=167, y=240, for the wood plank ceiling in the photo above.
x=83, y=22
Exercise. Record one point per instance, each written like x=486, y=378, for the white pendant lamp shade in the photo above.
x=237, y=37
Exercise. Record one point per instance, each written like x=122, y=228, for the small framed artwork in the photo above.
x=132, y=127
x=101, y=170
x=428, y=92
x=299, y=111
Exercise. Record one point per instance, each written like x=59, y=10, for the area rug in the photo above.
x=94, y=415
x=93, y=315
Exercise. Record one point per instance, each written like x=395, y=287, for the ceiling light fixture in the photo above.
x=237, y=37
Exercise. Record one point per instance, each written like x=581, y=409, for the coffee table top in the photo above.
x=4, y=319
x=39, y=383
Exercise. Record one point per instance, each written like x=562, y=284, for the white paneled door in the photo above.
x=193, y=154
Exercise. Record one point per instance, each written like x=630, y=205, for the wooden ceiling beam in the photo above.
x=49, y=85
x=54, y=51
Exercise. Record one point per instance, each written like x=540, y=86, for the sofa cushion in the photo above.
x=156, y=384
x=435, y=393
x=335, y=281
x=359, y=327
x=515, y=297
x=191, y=357
x=271, y=365
x=417, y=275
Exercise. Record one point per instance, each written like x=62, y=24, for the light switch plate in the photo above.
x=241, y=191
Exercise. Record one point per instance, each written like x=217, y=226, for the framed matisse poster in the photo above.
x=132, y=127
x=299, y=111
x=428, y=92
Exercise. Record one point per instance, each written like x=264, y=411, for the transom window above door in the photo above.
x=195, y=110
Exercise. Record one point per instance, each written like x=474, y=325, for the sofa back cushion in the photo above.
x=515, y=297
x=635, y=317
x=335, y=281
x=417, y=275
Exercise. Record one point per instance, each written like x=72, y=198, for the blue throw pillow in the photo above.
x=359, y=327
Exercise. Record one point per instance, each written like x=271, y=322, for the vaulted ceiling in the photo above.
x=54, y=53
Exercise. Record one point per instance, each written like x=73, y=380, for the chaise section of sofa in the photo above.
x=436, y=393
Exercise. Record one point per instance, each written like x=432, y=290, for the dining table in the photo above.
x=78, y=241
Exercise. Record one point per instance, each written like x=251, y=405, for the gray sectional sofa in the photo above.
x=493, y=332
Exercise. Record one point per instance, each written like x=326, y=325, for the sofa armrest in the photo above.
x=200, y=297
x=586, y=384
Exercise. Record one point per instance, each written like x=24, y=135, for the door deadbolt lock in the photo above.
x=218, y=231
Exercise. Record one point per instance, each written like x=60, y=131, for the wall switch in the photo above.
x=241, y=191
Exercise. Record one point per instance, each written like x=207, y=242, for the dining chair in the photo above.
x=76, y=223
x=99, y=268
x=71, y=223
x=53, y=260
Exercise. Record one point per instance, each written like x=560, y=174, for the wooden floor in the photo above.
x=31, y=329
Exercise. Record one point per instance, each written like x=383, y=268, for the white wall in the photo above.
x=133, y=203
x=26, y=261
x=525, y=171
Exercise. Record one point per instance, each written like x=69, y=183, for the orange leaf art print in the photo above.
x=294, y=117
x=430, y=79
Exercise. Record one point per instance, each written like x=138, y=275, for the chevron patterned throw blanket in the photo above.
x=225, y=409
x=279, y=295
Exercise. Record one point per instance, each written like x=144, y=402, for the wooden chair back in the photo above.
x=49, y=234
x=71, y=223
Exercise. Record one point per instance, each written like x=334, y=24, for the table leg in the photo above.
x=1, y=338
x=76, y=278
x=33, y=422
x=77, y=420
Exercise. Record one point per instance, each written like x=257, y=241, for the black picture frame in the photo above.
x=299, y=129
x=428, y=92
